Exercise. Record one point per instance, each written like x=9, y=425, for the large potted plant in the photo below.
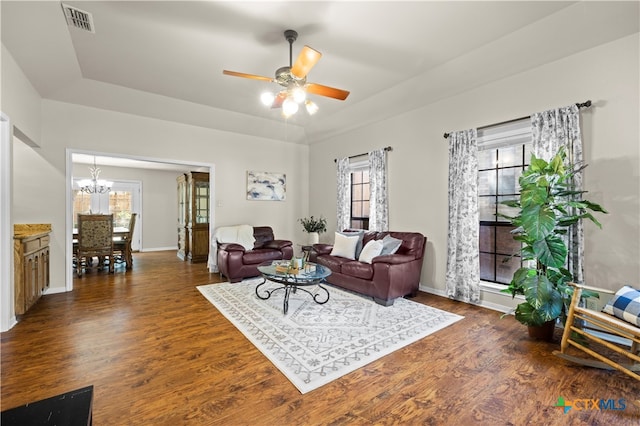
x=547, y=207
x=314, y=227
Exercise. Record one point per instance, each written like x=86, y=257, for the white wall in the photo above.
x=19, y=100
x=608, y=75
x=20, y=109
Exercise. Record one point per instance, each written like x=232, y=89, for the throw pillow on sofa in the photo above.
x=360, y=235
x=371, y=250
x=390, y=245
x=345, y=246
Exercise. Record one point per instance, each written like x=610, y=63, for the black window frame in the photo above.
x=356, y=221
x=498, y=253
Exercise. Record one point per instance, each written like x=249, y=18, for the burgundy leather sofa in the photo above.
x=387, y=277
x=236, y=263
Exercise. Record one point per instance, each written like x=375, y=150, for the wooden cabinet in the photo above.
x=31, y=264
x=193, y=216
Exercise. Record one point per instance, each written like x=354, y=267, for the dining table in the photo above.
x=118, y=232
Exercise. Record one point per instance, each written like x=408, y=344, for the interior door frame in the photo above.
x=69, y=196
x=7, y=306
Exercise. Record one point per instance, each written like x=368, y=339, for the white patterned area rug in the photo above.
x=314, y=344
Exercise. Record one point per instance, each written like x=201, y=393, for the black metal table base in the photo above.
x=293, y=287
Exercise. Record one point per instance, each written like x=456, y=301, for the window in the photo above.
x=119, y=203
x=81, y=204
x=360, y=198
x=503, y=153
x=120, y=206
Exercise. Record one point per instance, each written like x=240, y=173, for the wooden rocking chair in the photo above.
x=590, y=330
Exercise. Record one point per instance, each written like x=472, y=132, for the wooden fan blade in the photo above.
x=277, y=102
x=251, y=76
x=307, y=58
x=330, y=92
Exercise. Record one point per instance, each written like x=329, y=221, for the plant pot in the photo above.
x=314, y=238
x=543, y=332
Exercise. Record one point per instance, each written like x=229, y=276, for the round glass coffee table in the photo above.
x=313, y=275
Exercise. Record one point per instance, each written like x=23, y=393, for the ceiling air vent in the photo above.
x=78, y=18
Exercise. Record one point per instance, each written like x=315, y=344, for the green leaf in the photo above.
x=538, y=221
x=577, y=204
x=591, y=218
x=532, y=196
x=595, y=207
x=511, y=203
x=506, y=216
x=543, y=296
x=528, y=315
x=557, y=164
x=527, y=253
x=516, y=286
x=537, y=289
x=521, y=276
x=589, y=293
x=551, y=251
x=537, y=164
x=559, y=276
x=528, y=178
x=568, y=220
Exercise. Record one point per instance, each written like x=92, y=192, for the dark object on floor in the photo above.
x=68, y=409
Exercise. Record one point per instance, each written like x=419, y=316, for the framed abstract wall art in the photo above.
x=266, y=186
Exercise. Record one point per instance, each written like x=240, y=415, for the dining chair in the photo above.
x=95, y=238
x=122, y=247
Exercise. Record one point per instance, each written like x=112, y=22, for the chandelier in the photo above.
x=95, y=185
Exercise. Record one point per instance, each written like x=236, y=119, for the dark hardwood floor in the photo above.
x=158, y=353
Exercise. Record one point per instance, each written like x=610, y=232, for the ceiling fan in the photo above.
x=293, y=79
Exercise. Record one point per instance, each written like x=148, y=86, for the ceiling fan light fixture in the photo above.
x=267, y=98
x=298, y=94
x=311, y=106
x=289, y=107
x=293, y=80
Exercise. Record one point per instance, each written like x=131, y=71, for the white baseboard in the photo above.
x=54, y=290
x=483, y=303
x=159, y=249
x=10, y=324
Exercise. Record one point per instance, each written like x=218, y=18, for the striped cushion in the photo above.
x=625, y=305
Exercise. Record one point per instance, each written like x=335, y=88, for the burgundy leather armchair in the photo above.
x=387, y=276
x=237, y=263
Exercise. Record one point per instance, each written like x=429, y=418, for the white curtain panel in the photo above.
x=343, y=201
x=551, y=130
x=463, y=262
x=379, y=205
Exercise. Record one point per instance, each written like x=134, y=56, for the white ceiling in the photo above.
x=165, y=59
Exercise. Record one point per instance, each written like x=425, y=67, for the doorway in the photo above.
x=130, y=162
